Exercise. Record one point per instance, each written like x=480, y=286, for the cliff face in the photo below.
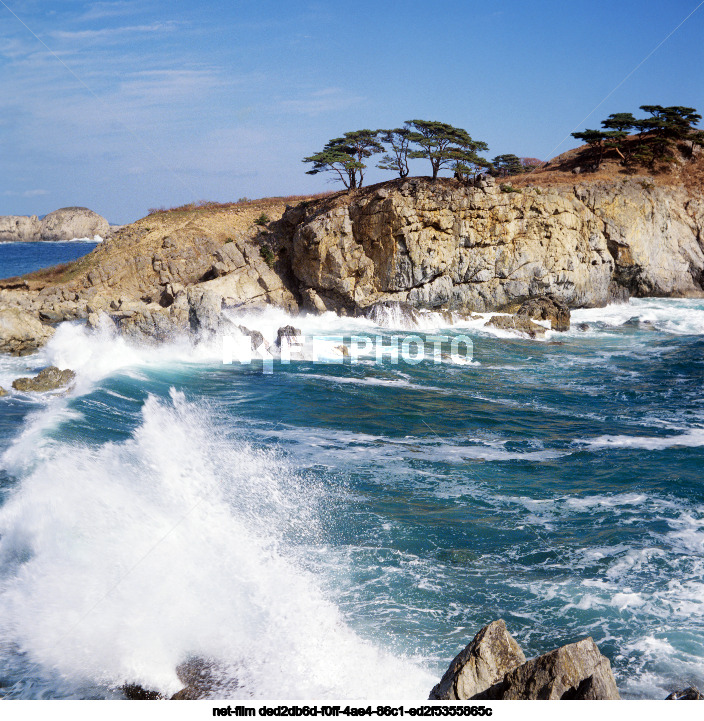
x=446, y=246
x=433, y=245
x=62, y=224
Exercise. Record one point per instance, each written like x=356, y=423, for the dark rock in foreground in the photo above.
x=484, y=662
x=577, y=671
x=48, y=379
x=686, y=694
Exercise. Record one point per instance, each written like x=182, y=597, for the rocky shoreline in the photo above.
x=444, y=246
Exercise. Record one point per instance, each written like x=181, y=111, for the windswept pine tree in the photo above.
x=345, y=157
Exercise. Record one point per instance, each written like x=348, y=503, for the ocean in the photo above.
x=342, y=530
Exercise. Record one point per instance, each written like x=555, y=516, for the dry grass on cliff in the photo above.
x=687, y=171
x=241, y=204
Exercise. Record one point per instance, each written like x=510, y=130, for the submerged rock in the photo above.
x=576, y=671
x=48, y=379
x=546, y=308
x=21, y=332
x=490, y=655
x=521, y=324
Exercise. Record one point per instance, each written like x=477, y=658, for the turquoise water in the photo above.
x=339, y=530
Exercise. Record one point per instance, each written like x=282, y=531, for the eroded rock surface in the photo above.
x=576, y=671
x=491, y=654
x=48, y=379
x=21, y=332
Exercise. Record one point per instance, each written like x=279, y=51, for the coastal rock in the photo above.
x=21, y=332
x=69, y=223
x=3, y=392
x=48, y=379
x=575, y=671
x=135, y=692
x=692, y=693
x=19, y=228
x=516, y=323
x=484, y=662
x=545, y=308
x=256, y=338
x=392, y=314
x=288, y=331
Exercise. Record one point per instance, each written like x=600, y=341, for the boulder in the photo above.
x=48, y=379
x=692, y=693
x=256, y=338
x=21, y=332
x=546, y=308
x=288, y=331
x=392, y=314
x=69, y=223
x=3, y=392
x=515, y=323
x=19, y=228
x=490, y=655
x=135, y=692
x=575, y=671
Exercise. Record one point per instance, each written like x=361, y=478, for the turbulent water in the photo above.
x=342, y=530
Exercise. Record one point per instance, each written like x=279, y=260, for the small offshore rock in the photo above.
x=545, y=308
x=288, y=331
x=3, y=392
x=48, y=379
x=522, y=324
x=256, y=338
x=491, y=654
x=692, y=693
x=575, y=671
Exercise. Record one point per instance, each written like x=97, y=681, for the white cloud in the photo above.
x=26, y=193
x=113, y=34
x=326, y=100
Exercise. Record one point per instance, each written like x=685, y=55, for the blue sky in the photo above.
x=180, y=101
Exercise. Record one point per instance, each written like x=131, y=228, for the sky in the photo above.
x=123, y=105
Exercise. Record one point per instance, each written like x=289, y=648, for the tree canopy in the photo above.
x=443, y=145
x=657, y=134
x=345, y=156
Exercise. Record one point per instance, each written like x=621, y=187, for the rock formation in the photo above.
x=388, y=250
x=21, y=332
x=48, y=379
x=490, y=655
x=686, y=694
x=62, y=224
x=19, y=228
x=493, y=667
x=69, y=223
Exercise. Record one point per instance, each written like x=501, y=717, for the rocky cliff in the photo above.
x=62, y=224
x=441, y=246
